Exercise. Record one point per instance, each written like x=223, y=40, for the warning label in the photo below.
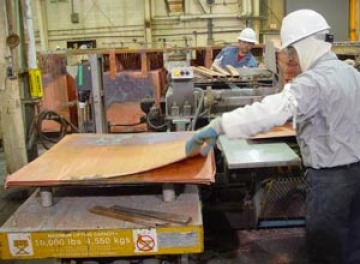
x=101, y=243
x=20, y=244
x=145, y=240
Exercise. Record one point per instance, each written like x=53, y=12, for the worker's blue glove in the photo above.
x=204, y=139
x=195, y=144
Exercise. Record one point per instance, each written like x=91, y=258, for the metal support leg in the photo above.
x=168, y=192
x=46, y=196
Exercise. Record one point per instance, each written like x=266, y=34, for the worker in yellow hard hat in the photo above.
x=239, y=56
x=323, y=101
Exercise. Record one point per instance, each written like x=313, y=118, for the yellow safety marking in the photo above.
x=99, y=243
x=36, y=88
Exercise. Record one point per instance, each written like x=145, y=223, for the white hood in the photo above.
x=310, y=49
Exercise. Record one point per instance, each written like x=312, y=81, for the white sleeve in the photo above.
x=259, y=117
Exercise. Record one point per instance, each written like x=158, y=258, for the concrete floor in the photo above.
x=9, y=199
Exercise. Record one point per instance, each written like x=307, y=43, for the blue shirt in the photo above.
x=230, y=57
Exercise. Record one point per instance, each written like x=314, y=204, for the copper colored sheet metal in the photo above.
x=112, y=64
x=283, y=131
x=55, y=99
x=125, y=117
x=94, y=158
x=197, y=170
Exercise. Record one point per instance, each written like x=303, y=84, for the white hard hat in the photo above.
x=300, y=24
x=248, y=35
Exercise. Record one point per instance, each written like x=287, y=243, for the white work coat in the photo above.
x=325, y=104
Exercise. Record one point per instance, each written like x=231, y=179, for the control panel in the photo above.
x=181, y=73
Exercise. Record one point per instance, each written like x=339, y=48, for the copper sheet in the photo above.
x=123, y=96
x=55, y=99
x=283, y=131
x=198, y=170
x=93, y=158
x=125, y=117
x=112, y=64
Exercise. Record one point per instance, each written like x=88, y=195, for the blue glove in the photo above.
x=207, y=135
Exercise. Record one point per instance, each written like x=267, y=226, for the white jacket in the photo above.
x=325, y=102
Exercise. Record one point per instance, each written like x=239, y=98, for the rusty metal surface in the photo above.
x=169, y=217
x=145, y=217
x=125, y=117
x=56, y=92
x=128, y=217
x=123, y=95
x=55, y=99
x=127, y=87
x=94, y=158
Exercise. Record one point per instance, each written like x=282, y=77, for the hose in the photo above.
x=151, y=113
x=197, y=112
x=37, y=135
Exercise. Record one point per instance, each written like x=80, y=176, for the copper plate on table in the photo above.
x=113, y=158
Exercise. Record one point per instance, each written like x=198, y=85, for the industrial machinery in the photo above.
x=259, y=182
x=196, y=93
x=60, y=227
x=253, y=177
x=90, y=94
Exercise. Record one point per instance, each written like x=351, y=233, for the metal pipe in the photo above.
x=125, y=27
x=18, y=27
x=249, y=8
x=147, y=21
x=225, y=3
x=194, y=17
x=30, y=30
x=42, y=20
x=256, y=23
x=179, y=32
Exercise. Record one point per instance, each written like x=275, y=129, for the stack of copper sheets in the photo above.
x=92, y=159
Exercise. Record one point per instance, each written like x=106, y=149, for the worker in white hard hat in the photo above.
x=239, y=56
x=323, y=101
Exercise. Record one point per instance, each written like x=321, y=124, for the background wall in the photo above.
x=154, y=23
x=335, y=12
x=135, y=23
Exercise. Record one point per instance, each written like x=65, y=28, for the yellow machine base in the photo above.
x=68, y=230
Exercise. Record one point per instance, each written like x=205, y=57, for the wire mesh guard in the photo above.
x=284, y=199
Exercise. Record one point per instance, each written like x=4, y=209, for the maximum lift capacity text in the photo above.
x=82, y=238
